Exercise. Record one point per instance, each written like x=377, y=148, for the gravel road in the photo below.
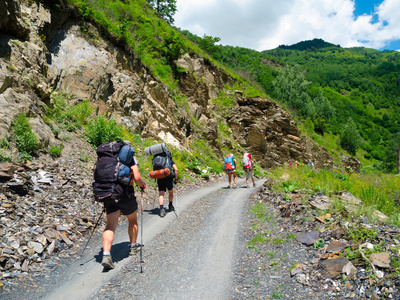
x=191, y=256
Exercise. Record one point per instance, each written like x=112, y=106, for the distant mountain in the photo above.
x=310, y=44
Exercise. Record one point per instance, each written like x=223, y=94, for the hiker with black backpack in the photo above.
x=166, y=173
x=230, y=169
x=116, y=170
x=248, y=163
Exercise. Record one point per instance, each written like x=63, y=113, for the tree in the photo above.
x=291, y=87
x=324, y=111
x=174, y=46
x=166, y=9
x=350, y=138
x=207, y=43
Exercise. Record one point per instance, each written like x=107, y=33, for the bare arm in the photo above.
x=176, y=171
x=136, y=176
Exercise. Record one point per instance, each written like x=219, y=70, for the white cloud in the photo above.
x=266, y=24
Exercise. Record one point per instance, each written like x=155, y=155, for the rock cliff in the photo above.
x=45, y=50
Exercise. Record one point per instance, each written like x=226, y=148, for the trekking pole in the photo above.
x=141, y=232
x=155, y=194
x=176, y=201
x=97, y=223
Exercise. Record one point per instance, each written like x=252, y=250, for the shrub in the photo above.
x=4, y=143
x=100, y=130
x=26, y=140
x=55, y=151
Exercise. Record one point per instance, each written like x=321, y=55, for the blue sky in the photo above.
x=266, y=24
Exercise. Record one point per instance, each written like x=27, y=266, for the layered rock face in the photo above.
x=271, y=135
x=43, y=50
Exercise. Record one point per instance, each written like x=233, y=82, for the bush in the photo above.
x=55, y=151
x=26, y=140
x=101, y=130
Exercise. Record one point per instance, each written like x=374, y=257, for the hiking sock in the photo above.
x=161, y=207
x=106, y=253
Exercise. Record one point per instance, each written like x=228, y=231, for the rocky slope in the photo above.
x=47, y=50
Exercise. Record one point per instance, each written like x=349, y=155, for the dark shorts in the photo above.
x=165, y=183
x=127, y=205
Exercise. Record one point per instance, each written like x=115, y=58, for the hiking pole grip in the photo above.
x=95, y=226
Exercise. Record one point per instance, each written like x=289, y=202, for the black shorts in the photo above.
x=165, y=183
x=127, y=205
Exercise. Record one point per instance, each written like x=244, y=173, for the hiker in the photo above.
x=230, y=169
x=166, y=173
x=127, y=206
x=165, y=184
x=248, y=163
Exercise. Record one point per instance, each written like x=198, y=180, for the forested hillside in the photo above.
x=351, y=95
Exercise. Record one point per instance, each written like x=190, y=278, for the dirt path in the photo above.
x=186, y=257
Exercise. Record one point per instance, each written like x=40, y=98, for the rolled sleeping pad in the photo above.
x=157, y=174
x=155, y=149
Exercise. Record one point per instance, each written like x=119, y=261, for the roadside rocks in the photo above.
x=45, y=210
x=356, y=260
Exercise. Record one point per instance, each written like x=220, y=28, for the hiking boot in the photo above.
x=254, y=185
x=171, y=207
x=135, y=249
x=248, y=186
x=107, y=262
x=234, y=186
x=229, y=186
x=162, y=212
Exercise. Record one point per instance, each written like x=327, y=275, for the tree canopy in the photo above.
x=166, y=9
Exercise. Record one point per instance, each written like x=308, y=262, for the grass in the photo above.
x=376, y=191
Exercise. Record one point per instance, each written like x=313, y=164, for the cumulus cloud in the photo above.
x=266, y=24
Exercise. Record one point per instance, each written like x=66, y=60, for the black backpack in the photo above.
x=163, y=161
x=107, y=187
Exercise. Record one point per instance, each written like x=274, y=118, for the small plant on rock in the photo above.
x=55, y=151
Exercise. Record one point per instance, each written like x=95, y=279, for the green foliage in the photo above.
x=207, y=43
x=361, y=234
x=26, y=140
x=100, y=130
x=290, y=87
x=376, y=191
x=69, y=115
x=4, y=143
x=83, y=157
x=261, y=212
x=174, y=47
x=350, y=139
x=319, y=244
x=166, y=9
x=55, y=151
x=289, y=187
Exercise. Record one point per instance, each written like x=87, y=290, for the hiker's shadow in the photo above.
x=119, y=252
x=153, y=211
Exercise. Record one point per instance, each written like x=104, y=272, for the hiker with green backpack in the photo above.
x=116, y=170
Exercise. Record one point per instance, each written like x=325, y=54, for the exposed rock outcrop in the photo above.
x=271, y=135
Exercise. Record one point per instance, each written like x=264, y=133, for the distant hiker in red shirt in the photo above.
x=248, y=163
